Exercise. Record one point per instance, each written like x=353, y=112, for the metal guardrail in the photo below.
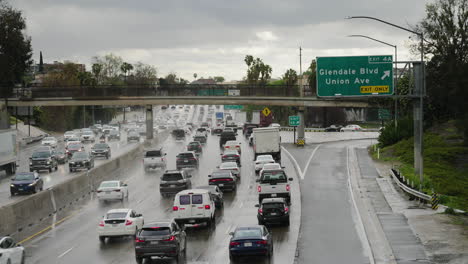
x=320, y=129
x=30, y=140
x=397, y=178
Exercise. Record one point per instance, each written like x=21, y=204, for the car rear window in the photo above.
x=153, y=153
x=274, y=176
x=109, y=184
x=185, y=155
x=248, y=233
x=155, y=231
x=116, y=215
x=172, y=177
x=197, y=199
x=272, y=205
x=40, y=155
x=184, y=199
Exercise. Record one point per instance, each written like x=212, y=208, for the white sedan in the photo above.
x=233, y=145
x=351, y=128
x=10, y=252
x=119, y=223
x=231, y=166
x=49, y=141
x=270, y=166
x=261, y=160
x=112, y=190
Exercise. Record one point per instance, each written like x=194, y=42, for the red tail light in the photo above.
x=101, y=223
x=172, y=238
x=262, y=242
x=207, y=207
x=138, y=240
x=288, y=187
x=237, y=156
x=128, y=222
x=260, y=210
x=286, y=209
x=259, y=188
x=175, y=208
x=234, y=243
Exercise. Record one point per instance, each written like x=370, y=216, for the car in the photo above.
x=173, y=107
x=186, y=159
x=87, y=136
x=195, y=146
x=154, y=159
x=178, y=134
x=217, y=131
x=72, y=148
x=226, y=136
x=261, y=160
x=163, y=107
x=215, y=193
x=133, y=136
x=61, y=157
x=273, y=211
x=10, y=252
x=142, y=130
x=205, y=125
x=272, y=184
x=72, y=140
x=194, y=206
x=270, y=166
x=69, y=134
x=119, y=223
x=251, y=137
x=26, y=182
x=101, y=150
x=106, y=129
x=351, y=128
x=231, y=166
x=162, y=239
x=113, y=134
x=112, y=190
x=81, y=160
x=43, y=159
x=174, y=181
x=232, y=144
x=231, y=155
x=202, y=130
x=248, y=130
x=49, y=141
x=200, y=138
x=333, y=128
x=250, y=241
x=275, y=125
x=224, y=179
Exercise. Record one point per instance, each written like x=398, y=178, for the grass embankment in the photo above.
x=445, y=164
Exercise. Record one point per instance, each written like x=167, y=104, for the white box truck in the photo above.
x=8, y=150
x=267, y=140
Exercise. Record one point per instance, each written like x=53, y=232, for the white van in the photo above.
x=194, y=206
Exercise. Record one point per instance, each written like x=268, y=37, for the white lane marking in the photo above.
x=361, y=223
x=228, y=229
x=241, y=204
x=64, y=253
x=301, y=173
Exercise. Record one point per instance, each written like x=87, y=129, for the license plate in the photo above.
x=273, y=214
x=154, y=242
x=78, y=165
x=192, y=221
x=172, y=185
x=247, y=244
x=20, y=189
x=108, y=192
x=221, y=185
x=114, y=225
x=273, y=195
x=185, y=161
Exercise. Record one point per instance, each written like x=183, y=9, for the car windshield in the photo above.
x=80, y=155
x=87, y=133
x=133, y=133
x=40, y=155
x=49, y=139
x=109, y=184
x=113, y=132
x=273, y=176
x=101, y=146
x=244, y=233
x=153, y=153
x=172, y=177
x=24, y=177
x=116, y=215
x=155, y=231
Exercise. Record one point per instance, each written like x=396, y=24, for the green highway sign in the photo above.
x=384, y=114
x=354, y=76
x=294, y=121
x=233, y=107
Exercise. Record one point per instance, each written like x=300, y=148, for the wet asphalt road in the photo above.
x=76, y=240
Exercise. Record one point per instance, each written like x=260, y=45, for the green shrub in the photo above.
x=391, y=134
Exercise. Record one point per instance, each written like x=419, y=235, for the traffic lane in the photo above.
x=329, y=222
x=79, y=240
x=62, y=173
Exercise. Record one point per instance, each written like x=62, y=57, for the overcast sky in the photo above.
x=212, y=37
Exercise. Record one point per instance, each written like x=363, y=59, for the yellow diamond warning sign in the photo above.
x=266, y=111
x=375, y=89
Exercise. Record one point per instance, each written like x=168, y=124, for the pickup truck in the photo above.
x=154, y=159
x=274, y=184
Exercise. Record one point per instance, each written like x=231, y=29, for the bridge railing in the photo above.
x=113, y=91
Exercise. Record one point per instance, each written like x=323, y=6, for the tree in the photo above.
x=144, y=74
x=41, y=63
x=15, y=48
x=111, y=68
x=218, y=79
x=126, y=68
x=445, y=30
x=97, y=69
x=290, y=77
x=195, y=76
x=257, y=71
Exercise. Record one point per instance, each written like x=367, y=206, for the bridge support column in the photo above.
x=300, y=129
x=4, y=116
x=149, y=122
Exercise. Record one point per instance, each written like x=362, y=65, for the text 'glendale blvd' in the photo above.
x=335, y=79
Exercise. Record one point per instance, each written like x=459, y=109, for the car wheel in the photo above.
x=34, y=190
x=71, y=170
x=232, y=258
x=122, y=198
x=260, y=222
x=22, y=258
x=102, y=239
x=12, y=193
x=286, y=223
x=31, y=170
x=56, y=167
x=8, y=262
x=50, y=170
x=139, y=260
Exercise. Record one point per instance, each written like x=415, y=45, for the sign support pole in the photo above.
x=149, y=122
x=294, y=136
x=300, y=128
x=418, y=122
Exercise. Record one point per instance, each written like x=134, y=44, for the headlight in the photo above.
x=30, y=163
x=12, y=185
x=72, y=162
x=32, y=184
x=48, y=162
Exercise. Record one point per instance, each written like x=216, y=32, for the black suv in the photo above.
x=174, y=181
x=195, y=146
x=113, y=134
x=226, y=136
x=215, y=193
x=224, y=180
x=101, y=150
x=186, y=160
x=273, y=211
x=179, y=134
x=43, y=159
x=163, y=239
x=81, y=160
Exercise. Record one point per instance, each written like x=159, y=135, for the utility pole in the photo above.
x=300, y=128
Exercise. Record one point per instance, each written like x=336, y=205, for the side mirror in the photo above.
x=257, y=180
x=208, y=176
x=189, y=176
x=283, y=167
x=138, y=215
x=236, y=134
x=125, y=185
x=217, y=167
x=165, y=154
x=257, y=205
x=231, y=233
x=290, y=179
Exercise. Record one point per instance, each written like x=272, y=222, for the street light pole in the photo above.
x=418, y=112
x=395, y=71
